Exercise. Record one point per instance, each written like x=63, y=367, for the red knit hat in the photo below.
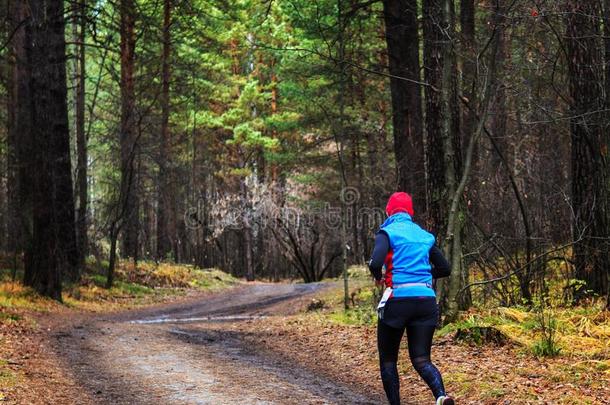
x=399, y=202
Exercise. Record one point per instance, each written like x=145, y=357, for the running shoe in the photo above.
x=444, y=400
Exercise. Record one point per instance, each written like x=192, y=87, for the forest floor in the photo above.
x=259, y=343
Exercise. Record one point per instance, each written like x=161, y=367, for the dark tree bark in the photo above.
x=53, y=245
x=248, y=247
x=128, y=138
x=246, y=231
x=456, y=114
x=589, y=146
x=469, y=67
x=607, y=105
x=468, y=88
x=607, y=52
x=112, y=257
x=79, y=27
x=3, y=206
x=166, y=195
x=4, y=85
x=19, y=137
x=435, y=164
x=467, y=24
x=452, y=241
x=403, y=56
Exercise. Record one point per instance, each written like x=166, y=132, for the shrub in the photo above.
x=546, y=324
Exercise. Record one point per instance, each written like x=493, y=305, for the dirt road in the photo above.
x=164, y=355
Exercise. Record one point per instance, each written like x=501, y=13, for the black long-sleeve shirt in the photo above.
x=440, y=265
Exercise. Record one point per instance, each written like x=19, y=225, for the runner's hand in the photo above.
x=380, y=283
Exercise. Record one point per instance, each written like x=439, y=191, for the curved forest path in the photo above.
x=162, y=355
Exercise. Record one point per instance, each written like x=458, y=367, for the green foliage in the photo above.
x=119, y=288
x=363, y=302
x=359, y=315
x=253, y=93
x=546, y=347
x=546, y=324
x=471, y=321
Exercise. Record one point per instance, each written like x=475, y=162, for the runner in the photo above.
x=408, y=302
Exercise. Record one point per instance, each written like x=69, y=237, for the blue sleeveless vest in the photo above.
x=408, y=259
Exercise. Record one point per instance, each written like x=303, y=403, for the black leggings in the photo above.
x=420, y=341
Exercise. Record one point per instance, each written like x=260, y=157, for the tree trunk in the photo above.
x=3, y=206
x=443, y=143
x=53, y=245
x=248, y=246
x=403, y=56
x=79, y=27
x=114, y=233
x=451, y=250
x=128, y=137
x=435, y=163
x=607, y=105
x=469, y=89
x=165, y=212
x=5, y=85
x=246, y=230
x=469, y=66
x=589, y=147
x=19, y=137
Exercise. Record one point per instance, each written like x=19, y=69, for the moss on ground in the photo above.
x=578, y=332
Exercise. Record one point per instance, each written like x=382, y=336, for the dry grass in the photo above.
x=169, y=275
x=145, y=284
x=487, y=374
x=14, y=295
x=579, y=332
